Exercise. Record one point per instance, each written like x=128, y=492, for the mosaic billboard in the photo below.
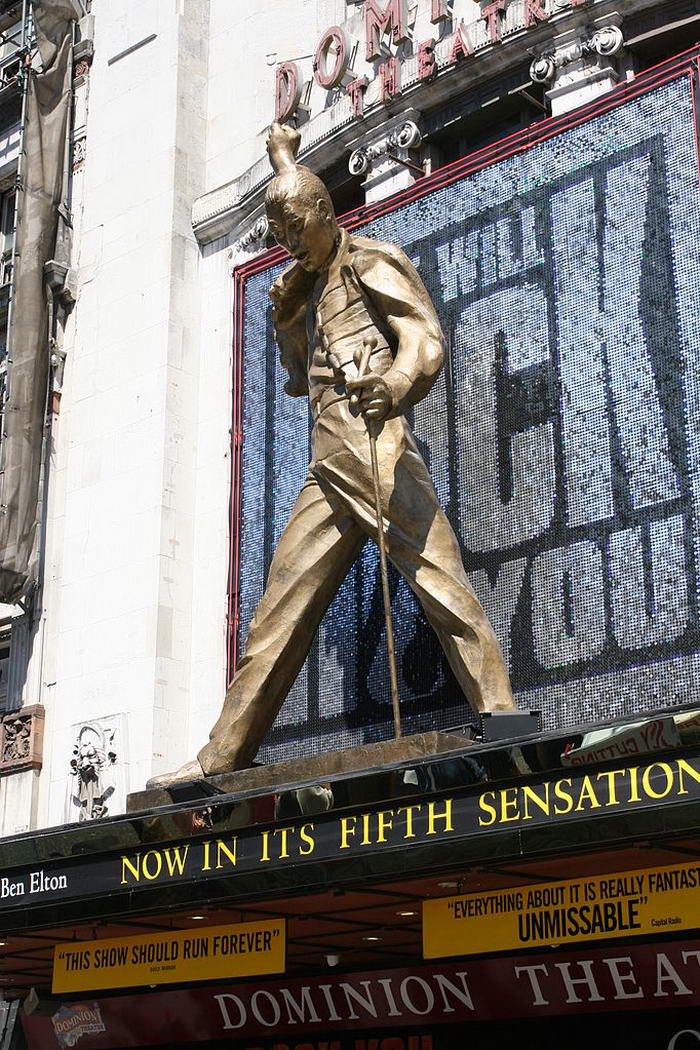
x=563, y=435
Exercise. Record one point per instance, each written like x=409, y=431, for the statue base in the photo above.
x=311, y=767
x=505, y=725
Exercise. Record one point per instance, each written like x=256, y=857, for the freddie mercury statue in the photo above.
x=343, y=293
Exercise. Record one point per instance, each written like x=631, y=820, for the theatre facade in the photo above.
x=476, y=880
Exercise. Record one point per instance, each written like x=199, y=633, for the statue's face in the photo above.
x=308, y=233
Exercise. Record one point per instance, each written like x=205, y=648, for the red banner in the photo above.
x=637, y=977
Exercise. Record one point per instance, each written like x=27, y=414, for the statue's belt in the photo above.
x=341, y=360
x=330, y=395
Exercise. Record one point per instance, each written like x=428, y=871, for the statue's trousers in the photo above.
x=331, y=520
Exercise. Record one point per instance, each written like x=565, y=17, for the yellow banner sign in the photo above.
x=626, y=904
x=244, y=950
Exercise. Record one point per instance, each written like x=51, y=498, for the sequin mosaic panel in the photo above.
x=563, y=436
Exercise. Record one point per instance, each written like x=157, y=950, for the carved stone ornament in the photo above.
x=405, y=137
x=21, y=740
x=79, y=152
x=254, y=240
x=408, y=136
x=605, y=42
x=91, y=768
x=542, y=69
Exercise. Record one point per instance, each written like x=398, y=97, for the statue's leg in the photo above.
x=314, y=554
x=424, y=548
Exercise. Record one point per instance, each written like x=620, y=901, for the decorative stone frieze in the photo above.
x=21, y=740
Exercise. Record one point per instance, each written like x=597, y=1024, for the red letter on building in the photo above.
x=427, y=63
x=461, y=45
x=389, y=79
x=356, y=91
x=491, y=15
x=378, y=22
x=287, y=90
x=329, y=75
x=534, y=12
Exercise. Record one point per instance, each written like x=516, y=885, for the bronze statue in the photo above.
x=349, y=305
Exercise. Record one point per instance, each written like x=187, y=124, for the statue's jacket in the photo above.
x=370, y=293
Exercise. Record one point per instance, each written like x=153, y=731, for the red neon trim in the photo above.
x=510, y=145
x=236, y=492
x=694, y=81
x=233, y=516
x=236, y=479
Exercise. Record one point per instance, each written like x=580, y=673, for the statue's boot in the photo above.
x=191, y=771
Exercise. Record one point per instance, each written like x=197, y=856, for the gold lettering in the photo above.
x=175, y=859
x=133, y=868
x=433, y=816
x=685, y=767
x=283, y=833
x=346, y=830
x=588, y=794
x=206, y=862
x=384, y=823
x=221, y=847
x=366, y=840
x=265, y=836
x=529, y=795
x=308, y=838
x=610, y=774
x=634, y=789
x=144, y=864
x=564, y=796
x=408, y=810
x=483, y=804
x=646, y=779
x=507, y=804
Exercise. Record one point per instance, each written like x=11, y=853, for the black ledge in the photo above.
x=516, y=761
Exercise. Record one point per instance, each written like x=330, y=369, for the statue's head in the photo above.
x=298, y=206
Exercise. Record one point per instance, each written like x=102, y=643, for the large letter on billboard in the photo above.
x=568, y=605
x=649, y=603
x=515, y=320
x=602, y=347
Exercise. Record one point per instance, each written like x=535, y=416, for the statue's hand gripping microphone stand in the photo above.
x=361, y=361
